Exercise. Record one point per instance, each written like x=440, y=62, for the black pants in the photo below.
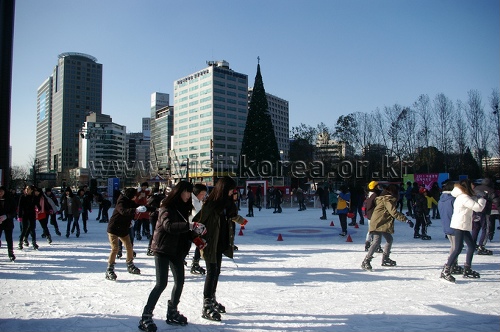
x=8, y=239
x=343, y=222
x=162, y=264
x=212, y=278
x=28, y=227
x=44, y=223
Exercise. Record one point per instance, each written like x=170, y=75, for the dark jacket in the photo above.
x=153, y=203
x=445, y=207
x=172, y=236
x=7, y=208
x=27, y=207
x=419, y=205
x=76, y=206
x=121, y=220
x=212, y=219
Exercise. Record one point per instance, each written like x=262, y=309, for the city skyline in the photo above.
x=327, y=58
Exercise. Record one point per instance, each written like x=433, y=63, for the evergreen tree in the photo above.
x=259, y=148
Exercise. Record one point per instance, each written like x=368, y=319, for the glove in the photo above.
x=200, y=243
x=409, y=222
x=141, y=209
x=197, y=228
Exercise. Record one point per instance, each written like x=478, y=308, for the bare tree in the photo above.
x=409, y=135
x=423, y=109
x=381, y=128
x=479, y=131
x=365, y=130
x=459, y=129
x=443, y=111
x=495, y=104
x=395, y=116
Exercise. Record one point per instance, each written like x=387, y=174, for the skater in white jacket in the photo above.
x=465, y=203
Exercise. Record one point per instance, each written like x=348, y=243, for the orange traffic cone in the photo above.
x=280, y=238
x=331, y=224
x=349, y=239
x=356, y=225
x=240, y=233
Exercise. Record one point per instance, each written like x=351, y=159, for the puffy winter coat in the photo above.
x=27, y=207
x=212, y=219
x=122, y=216
x=463, y=207
x=384, y=214
x=172, y=236
x=445, y=207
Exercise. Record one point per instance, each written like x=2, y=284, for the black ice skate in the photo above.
x=446, y=274
x=173, y=315
x=386, y=261
x=218, y=306
x=110, y=272
x=366, y=264
x=146, y=323
x=12, y=257
x=132, y=269
x=425, y=237
x=119, y=254
x=456, y=269
x=470, y=273
x=196, y=268
x=483, y=251
x=208, y=311
x=367, y=245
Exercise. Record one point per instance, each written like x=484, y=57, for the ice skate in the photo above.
x=483, y=251
x=456, y=269
x=119, y=254
x=196, y=268
x=146, y=323
x=110, y=272
x=218, y=306
x=366, y=264
x=150, y=252
x=132, y=269
x=446, y=274
x=208, y=311
x=470, y=273
x=173, y=315
x=425, y=237
x=367, y=245
x=386, y=261
x=12, y=257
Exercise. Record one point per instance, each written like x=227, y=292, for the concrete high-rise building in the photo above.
x=161, y=127
x=73, y=91
x=102, y=149
x=211, y=109
x=278, y=109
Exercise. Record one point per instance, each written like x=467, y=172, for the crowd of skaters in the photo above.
x=472, y=219
x=468, y=212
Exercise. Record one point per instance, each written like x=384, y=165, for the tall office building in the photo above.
x=211, y=109
x=161, y=128
x=278, y=110
x=43, y=125
x=73, y=91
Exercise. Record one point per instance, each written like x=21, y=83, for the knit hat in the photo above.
x=422, y=190
x=372, y=185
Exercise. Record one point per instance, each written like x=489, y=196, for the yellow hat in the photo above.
x=372, y=185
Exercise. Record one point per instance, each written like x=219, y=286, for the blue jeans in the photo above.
x=460, y=237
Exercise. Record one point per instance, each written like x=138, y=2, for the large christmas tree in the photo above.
x=259, y=149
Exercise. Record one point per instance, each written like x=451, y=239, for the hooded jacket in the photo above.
x=463, y=207
x=384, y=214
x=445, y=207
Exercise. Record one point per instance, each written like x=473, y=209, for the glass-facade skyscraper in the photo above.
x=75, y=92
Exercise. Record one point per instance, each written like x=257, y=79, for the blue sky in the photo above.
x=326, y=57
